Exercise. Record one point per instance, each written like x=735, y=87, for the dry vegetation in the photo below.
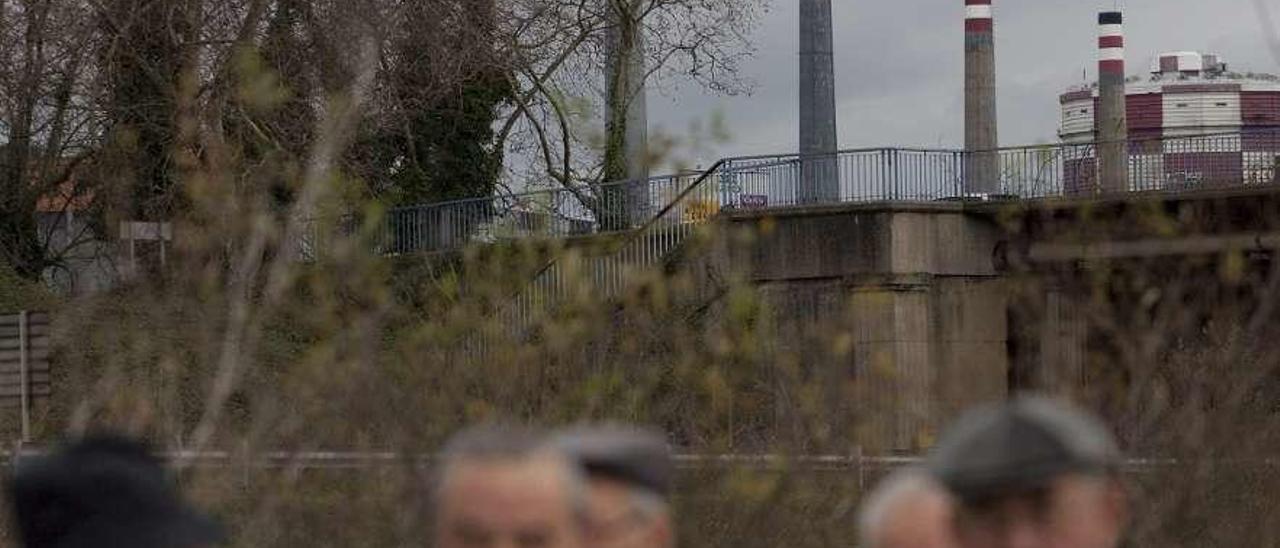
x=240, y=346
x=355, y=352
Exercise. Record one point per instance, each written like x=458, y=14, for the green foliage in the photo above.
x=18, y=294
x=20, y=249
x=436, y=140
x=142, y=64
x=447, y=150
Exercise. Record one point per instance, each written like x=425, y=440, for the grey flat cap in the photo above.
x=631, y=455
x=1021, y=445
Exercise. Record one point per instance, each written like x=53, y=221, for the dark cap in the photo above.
x=101, y=492
x=1021, y=445
x=634, y=456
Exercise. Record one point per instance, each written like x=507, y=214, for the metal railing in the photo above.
x=1163, y=164
x=1171, y=164
x=690, y=203
x=869, y=175
x=552, y=214
x=751, y=182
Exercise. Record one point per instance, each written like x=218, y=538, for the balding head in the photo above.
x=907, y=510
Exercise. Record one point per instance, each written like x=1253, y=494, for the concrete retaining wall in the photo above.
x=912, y=289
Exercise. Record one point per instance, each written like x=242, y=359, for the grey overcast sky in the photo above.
x=899, y=68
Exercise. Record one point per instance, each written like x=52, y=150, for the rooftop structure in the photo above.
x=1184, y=93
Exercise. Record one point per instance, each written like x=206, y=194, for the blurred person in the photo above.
x=629, y=474
x=908, y=509
x=103, y=492
x=1033, y=473
x=500, y=487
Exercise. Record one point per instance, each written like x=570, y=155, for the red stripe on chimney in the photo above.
x=1111, y=42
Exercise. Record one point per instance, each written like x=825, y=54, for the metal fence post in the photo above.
x=247, y=463
x=23, y=377
x=859, y=462
x=893, y=174
x=884, y=175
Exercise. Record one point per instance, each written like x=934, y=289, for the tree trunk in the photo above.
x=626, y=119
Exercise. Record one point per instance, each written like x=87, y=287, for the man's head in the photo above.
x=505, y=488
x=907, y=510
x=103, y=491
x=629, y=476
x=1033, y=473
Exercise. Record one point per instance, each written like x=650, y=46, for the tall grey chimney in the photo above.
x=819, y=180
x=981, y=167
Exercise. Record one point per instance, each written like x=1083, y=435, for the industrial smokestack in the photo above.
x=818, y=146
x=1112, y=118
x=981, y=174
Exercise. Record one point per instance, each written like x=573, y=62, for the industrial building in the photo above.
x=1184, y=94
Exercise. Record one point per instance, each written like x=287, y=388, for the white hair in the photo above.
x=647, y=504
x=497, y=442
x=888, y=497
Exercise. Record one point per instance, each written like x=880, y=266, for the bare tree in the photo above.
x=48, y=126
x=569, y=52
x=429, y=135
x=626, y=105
x=137, y=98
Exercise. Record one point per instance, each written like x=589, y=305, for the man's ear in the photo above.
x=1118, y=503
x=664, y=533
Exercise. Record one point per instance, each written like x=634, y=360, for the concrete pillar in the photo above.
x=981, y=169
x=819, y=180
x=1112, y=119
x=970, y=340
x=924, y=323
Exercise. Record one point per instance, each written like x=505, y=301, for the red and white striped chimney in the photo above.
x=1111, y=43
x=1111, y=118
x=980, y=138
